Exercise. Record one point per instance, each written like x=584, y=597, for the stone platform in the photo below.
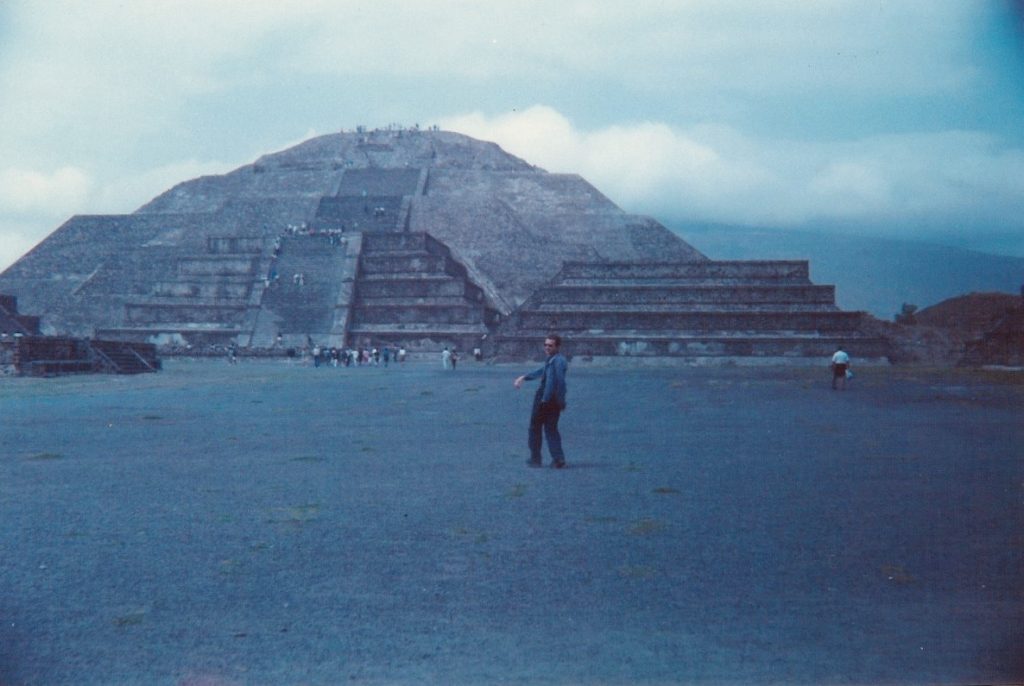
x=702, y=311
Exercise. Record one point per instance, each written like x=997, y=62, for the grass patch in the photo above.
x=479, y=537
x=637, y=572
x=665, y=490
x=130, y=619
x=600, y=520
x=518, y=491
x=646, y=527
x=298, y=514
x=897, y=575
x=307, y=458
x=44, y=457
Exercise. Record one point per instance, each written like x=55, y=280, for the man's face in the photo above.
x=549, y=347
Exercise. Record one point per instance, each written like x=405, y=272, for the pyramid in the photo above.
x=421, y=238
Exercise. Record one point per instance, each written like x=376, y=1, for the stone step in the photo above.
x=419, y=328
x=433, y=286
x=136, y=313
x=428, y=313
x=688, y=321
x=364, y=301
x=218, y=265
x=379, y=241
x=673, y=282
x=673, y=292
x=684, y=308
x=210, y=290
x=406, y=277
x=162, y=327
x=415, y=252
x=234, y=245
x=385, y=263
x=163, y=301
x=795, y=271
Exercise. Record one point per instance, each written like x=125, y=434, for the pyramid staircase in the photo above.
x=410, y=291
x=309, y=291
x=120, y=357
x=729, y=310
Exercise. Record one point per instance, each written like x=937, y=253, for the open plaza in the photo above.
x=271, y=522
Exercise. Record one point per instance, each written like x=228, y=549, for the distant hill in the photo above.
x=975, y=313
x=872, y=274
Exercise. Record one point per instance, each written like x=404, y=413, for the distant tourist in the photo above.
x=446, y=358
x=548, y=403
x=401, y=355
x=477, y=354
x=455, y=359
x=840, y=367
x=386, y=354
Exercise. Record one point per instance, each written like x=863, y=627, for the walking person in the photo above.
x=548, y=403
x=840, y=365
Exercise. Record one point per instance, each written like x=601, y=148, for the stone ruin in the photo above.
x=26, y=352
x=423, y=239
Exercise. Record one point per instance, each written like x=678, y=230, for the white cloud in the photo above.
x=26, y=191
x=715, y=173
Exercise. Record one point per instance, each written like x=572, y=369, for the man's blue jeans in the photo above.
x=545, y=416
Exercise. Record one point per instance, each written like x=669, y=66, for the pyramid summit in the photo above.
x=422, y=238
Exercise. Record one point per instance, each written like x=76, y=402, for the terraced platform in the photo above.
x=758, y=311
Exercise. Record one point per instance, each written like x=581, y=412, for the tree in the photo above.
x=906, y=314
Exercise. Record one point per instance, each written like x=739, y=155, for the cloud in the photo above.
x=718, y=174
x=25, y=191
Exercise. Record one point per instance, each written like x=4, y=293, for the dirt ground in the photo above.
x=274, y=523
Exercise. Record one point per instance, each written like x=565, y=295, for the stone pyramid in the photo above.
x=397, y=236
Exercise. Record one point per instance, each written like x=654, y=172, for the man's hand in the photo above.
x=519, y=382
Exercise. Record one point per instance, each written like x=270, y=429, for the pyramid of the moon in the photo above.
x=418, y=238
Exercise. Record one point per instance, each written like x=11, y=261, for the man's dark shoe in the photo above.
x=559, y=465
x=533, y=463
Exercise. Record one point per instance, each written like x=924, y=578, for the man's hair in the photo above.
x=554, y=337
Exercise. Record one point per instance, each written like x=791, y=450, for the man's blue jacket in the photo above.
x=553, y=372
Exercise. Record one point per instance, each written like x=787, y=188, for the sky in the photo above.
x=900, y=118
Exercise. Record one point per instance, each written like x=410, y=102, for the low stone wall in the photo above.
x=233, y=315
x=708, y=347
x=56, y=355
x=688, y=321
x=217, y=265
x=788, y=270
x=691, y=294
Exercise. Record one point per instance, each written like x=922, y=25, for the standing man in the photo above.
x=548, y=403
x=840, y=364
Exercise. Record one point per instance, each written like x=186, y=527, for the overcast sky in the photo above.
x=900, y=118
